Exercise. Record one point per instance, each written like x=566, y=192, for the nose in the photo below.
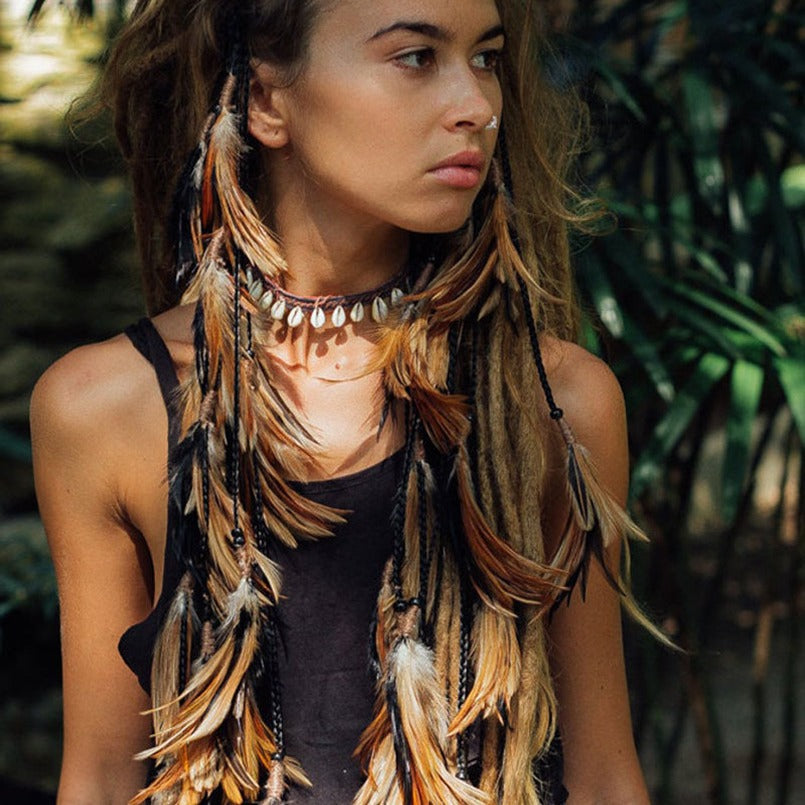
x=472, y=102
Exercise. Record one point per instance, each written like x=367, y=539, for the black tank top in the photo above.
x=331, y=588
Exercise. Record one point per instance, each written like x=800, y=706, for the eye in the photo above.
x=416, y=59
x=487, y=60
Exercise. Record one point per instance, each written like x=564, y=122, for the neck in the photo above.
x=329, y=249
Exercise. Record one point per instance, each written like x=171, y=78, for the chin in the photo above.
x=442, y=222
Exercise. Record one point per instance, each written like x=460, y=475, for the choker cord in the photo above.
x=281, y=305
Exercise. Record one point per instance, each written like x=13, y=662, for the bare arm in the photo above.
x=102, y=568
x=601, y=764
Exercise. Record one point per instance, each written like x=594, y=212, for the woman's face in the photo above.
x=390, y=118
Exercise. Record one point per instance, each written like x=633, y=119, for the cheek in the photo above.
x=357, y=122
x=361, y=140
x=371, y=149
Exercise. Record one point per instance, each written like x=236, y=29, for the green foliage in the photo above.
x=698, y=112
x=26, y=572
x=67, y=276
x=698, y=296
x=67, y=264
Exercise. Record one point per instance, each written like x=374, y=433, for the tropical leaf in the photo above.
x=791, y=372
x=688, y=401
x=730, y=315
x=622, y=326
x=701, y=105
x=745, y=388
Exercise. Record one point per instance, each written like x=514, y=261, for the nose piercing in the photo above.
x=493, y=123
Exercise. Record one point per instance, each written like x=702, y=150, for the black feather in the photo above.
x=186, y=537
x=375, y=670
x=579, y=488
x=401, y=751
x=593, y=547
x=200, y=348
x=400, y=504
x=185, y=205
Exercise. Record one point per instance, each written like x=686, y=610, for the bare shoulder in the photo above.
x=585, y=388
x=100, y=390
x=589, y=394
x=88, y=394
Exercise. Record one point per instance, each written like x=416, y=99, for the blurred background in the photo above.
x=695, y=298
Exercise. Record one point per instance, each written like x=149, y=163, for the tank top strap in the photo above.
x=149, y=343
x=136, y=644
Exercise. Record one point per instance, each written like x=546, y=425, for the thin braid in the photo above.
x=400, y=503
x=202, y=371
x=249, y=336
x=465, y=614
x=422, y=513
x=425, y=550
x=236, y=67
x=472, y=399
x=555, y=412
x=277, y=720
x=239, y=67
x=238, y=538
x=436, y=553
x=463, y=673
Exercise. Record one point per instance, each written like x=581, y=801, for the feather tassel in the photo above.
x=599, y=521
x=500, y=574
x=237, y=210
x=409, y=765
x=168, y=655
x=496, y=659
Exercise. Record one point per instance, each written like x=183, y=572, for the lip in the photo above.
x=461, y=170
x=464, y=159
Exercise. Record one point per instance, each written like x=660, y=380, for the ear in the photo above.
x=267, y=120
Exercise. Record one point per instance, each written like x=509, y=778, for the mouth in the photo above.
x=462, y=170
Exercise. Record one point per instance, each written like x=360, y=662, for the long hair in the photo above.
x=458, y=635
x=165, y=69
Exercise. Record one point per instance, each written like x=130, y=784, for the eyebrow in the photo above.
x=433, y=31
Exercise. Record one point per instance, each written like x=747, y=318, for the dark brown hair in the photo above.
x=163, y=72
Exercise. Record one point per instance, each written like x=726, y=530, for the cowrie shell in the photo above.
x=296, y=317
x=396, y=296
x=317, y=318
x=356, y=314
x=339, y=316
x=255, y=289
x=380, y=310
x=278, y=309
x=266, y=300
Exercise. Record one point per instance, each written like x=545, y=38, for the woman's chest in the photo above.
x=350, y=418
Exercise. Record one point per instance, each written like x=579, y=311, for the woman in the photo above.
x=371, y=422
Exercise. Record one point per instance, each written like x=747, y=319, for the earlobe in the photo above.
x=267, y=122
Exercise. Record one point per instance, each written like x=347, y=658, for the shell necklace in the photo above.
x=282, y=306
